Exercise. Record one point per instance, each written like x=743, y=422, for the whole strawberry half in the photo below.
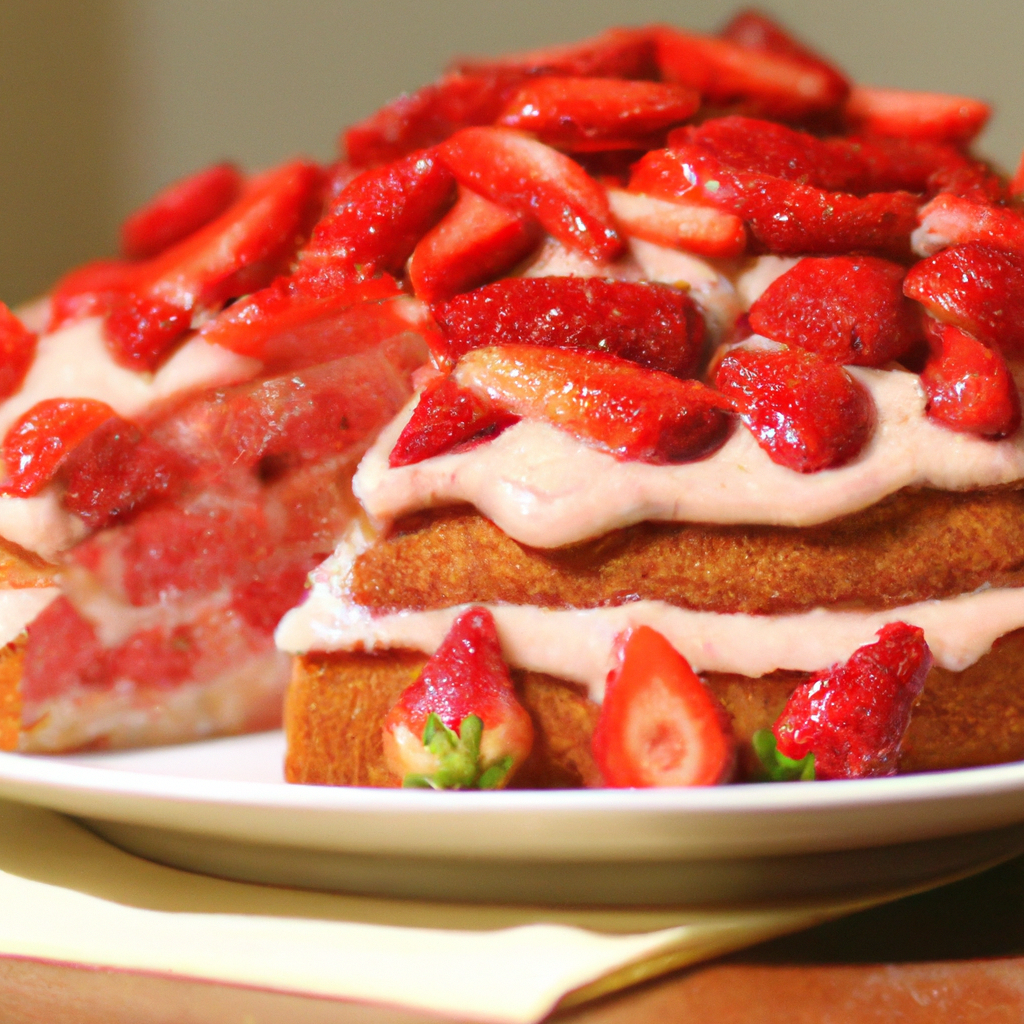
x=849, y=309
x=806, y=412
x=460, y=725
x=854, y=715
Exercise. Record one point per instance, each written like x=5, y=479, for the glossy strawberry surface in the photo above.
x=853, y=716
x=806, y=412
x=659, y=724
x=17, y=350
x=90, y=290
x=849, y=309
x=654, y=325
x=955, y=220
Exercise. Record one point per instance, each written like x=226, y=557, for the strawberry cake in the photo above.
x=715, y=471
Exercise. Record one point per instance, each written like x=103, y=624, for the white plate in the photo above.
x=222, y=807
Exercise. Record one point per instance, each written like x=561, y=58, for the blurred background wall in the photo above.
x=104, y=101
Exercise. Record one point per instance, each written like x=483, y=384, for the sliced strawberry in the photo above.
x=763, y=82
x=180, y=209
x=597, y=113
x=477, y=240
x=41, y=439
x=460, y=725
x=976, y=287
x=263, y=601
x=604, y=401
x=785, y=217
x=62, y=653
x=655, y=325
x=429, y=115
x=931, y=116
x=617, y=53
x=238, y=252
x=377, y=220
x=514, y=170
x=659, y=724
x=695, y=228
x=806, y=412
x=849, y=309
x=854, y=715
x=90, y=290
x=969, y=386
x=445, y=418
x=952, y=220
x=17, y=350
x=754, y=31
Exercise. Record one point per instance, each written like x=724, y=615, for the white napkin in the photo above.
x=68, y=896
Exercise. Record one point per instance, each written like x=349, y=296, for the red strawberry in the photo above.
x=377, y=220
x=90, y=290
x=476, y=241
x=460, y=725
x=17, y=350
x=659, y=724
x=785, y=217
x=698, y=229
x=849, y=309
x=952, y=220
x=429, y=115
x=806, y=412
x=935, y=117
x=969, y=386
x=617, y=53
x=179, y=210
x=263, y=601
x=763, y=82
x=238, y=252
x=853, y=716
x=604, y=401
x=654, y=325
x=976, y=287
x=444, y=420
x=1017, y=182
x=597, y=113
x=41, y=439
x=514, y=170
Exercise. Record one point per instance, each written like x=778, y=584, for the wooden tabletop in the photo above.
x=955, y=954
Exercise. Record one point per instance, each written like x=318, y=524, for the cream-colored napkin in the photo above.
x=68, y=896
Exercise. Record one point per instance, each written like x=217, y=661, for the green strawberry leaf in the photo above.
x=776, y=767
x=458, y=757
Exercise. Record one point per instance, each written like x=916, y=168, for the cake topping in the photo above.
x=17, y=350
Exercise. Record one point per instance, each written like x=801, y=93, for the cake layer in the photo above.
x=337, y=703
x=911, y=547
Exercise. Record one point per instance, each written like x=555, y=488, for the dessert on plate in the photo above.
x=715, y=471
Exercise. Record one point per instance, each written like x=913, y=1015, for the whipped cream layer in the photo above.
x=545, y=488
x=578, y=644
x=19, y=607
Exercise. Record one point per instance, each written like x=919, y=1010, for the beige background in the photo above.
x=103, y=101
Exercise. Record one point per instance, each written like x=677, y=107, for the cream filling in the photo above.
x=19, y=607
x=578, y=644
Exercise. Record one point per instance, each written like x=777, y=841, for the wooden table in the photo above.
x=954, y=954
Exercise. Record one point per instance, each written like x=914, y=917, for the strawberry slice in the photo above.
x=784, y=216
x=659, y=724
x=806, y=412
x=952, y=220
x=969, y=386
x=460, y=725
x=977, y=288
x=238, y=252
x=514, y=170
x=476, y=241
x=702, y=230
x=92, y=289
x=580, y=114
x=17, y=350
x=930, y=116
x=429, y=115
x=41, y=439
x=762, y=82
x=179, y=210
x=446, y=419
x=602, y=400
x=655, y=325
x=617, y=53
x=848, y=309
x=379, y=217
x=854, y=715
